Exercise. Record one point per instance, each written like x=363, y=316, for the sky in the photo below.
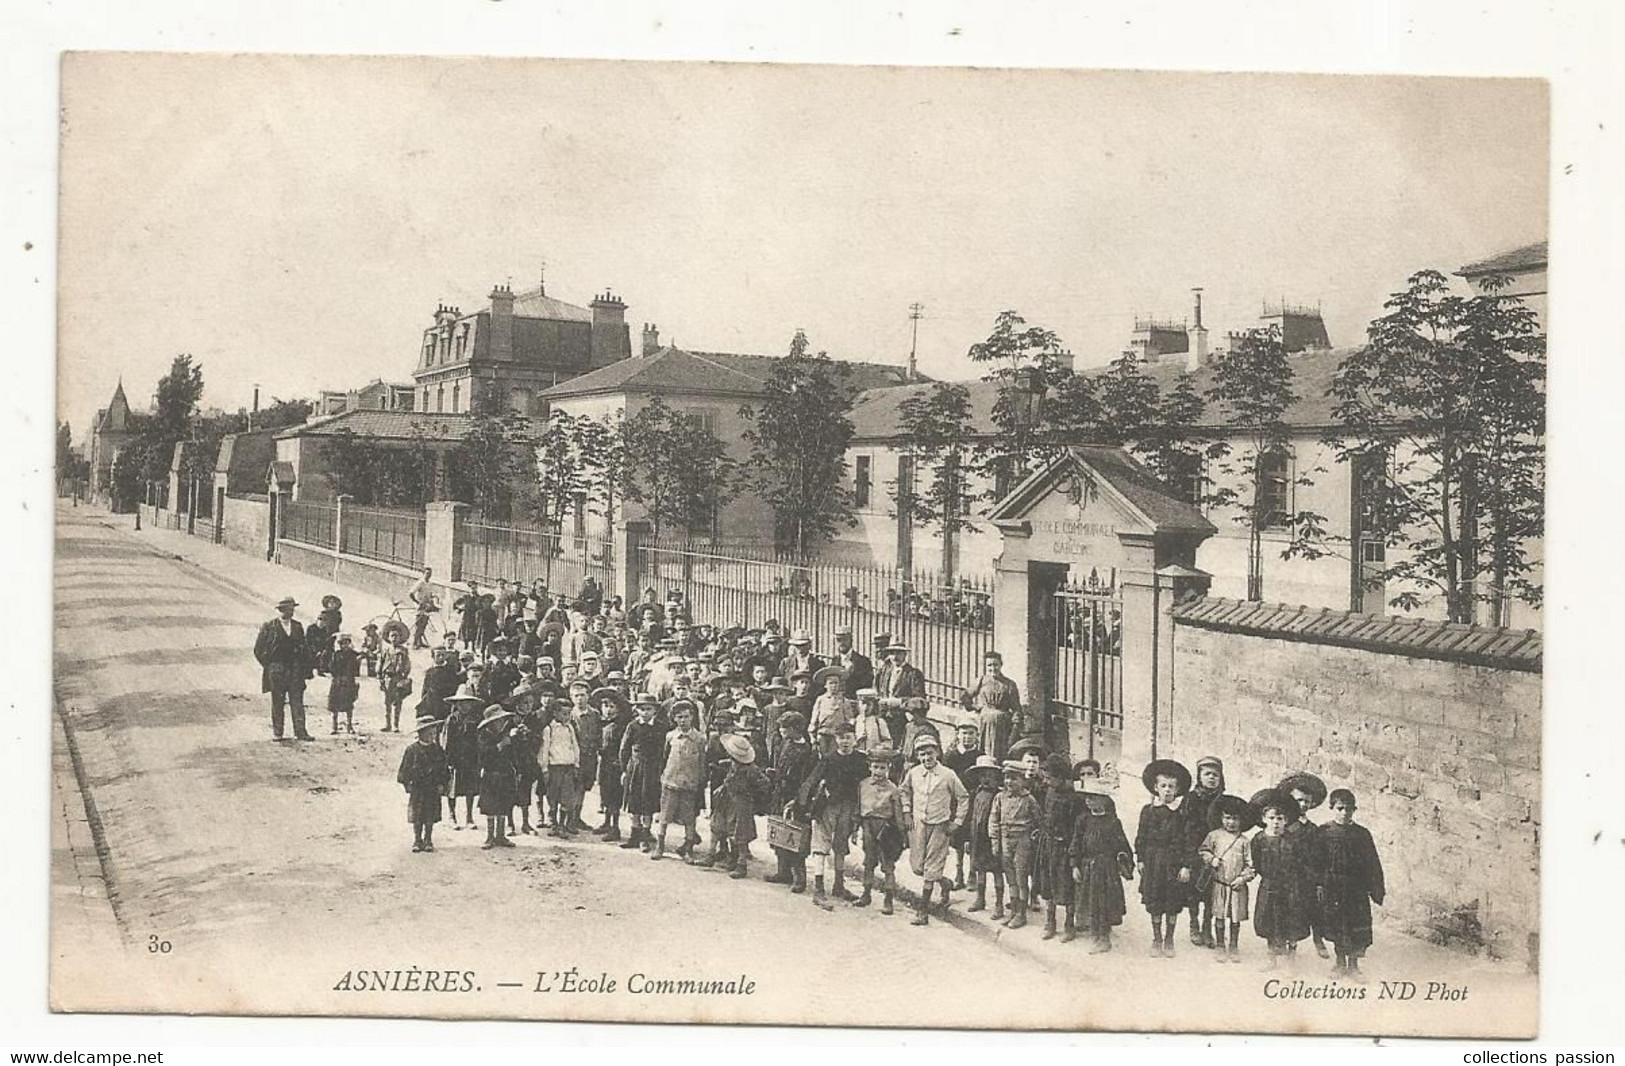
x=293, y=222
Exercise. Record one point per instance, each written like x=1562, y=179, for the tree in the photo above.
x=176, y=399
x=937, y=436
x=564, y=477
x=798, y=436
x=678, y=470
x=1449, y=395
x=1169, y=447
x=1024, y=363
x=283, y=413
x=1252, y=383
x=494, y=466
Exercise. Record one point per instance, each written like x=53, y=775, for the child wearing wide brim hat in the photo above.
x=499, y=777
x=982, y=779
x=744, y=791
x=1282, y=860
x=1310, y=792
x=1165, y=850
x=1101, y=860
x=423, y=774
x=1227, y=868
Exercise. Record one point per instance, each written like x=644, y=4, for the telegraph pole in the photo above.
x=915, y=310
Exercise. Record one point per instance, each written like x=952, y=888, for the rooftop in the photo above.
x=673, y=369
x=876, y=416
x=1527, y=257
x=537, y=304
x=385, y=425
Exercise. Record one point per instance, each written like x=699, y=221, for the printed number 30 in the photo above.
x=158, y=947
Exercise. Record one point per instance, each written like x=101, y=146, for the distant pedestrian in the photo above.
x=284, y=658
x=423, y=774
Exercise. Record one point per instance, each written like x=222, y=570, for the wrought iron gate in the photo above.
x=1088, y=682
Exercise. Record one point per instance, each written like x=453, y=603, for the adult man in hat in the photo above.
x=284, y=660
x=898, y=679
x=937, y=805
x=857, y=671
x=800, y=656
x=996, y=702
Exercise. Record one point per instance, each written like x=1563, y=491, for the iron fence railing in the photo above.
x=391, y=536
x=516, y=553
x=946, y=620
x=310, y=523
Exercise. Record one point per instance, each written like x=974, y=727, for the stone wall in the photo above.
x=1442, y=752
x=245, y=524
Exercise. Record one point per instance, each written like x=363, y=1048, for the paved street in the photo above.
x=271, y=870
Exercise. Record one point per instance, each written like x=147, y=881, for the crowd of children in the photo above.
x=536, y=700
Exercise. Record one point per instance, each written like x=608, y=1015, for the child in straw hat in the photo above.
x=1228, y=856
x=423, y=774
x=1282, y=917
x=461, y=739
x=499, y=776
x=746, y=789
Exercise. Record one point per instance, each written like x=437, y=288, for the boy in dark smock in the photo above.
x=461, y=740
x=793, y=761
x=1207, y=786
x=1057, y=815
x=499, y=775
x=1353, y=882
x=1285, y=904
x=643, y=748
x=423, y=773
x=830, y=795
x=1167, y=855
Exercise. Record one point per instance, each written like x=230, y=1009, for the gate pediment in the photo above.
x=1092, y=506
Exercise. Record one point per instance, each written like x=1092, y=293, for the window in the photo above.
x=706, y=420
x=1275, y=489
x=440, y=399
x=456, y=394
x=864, y=475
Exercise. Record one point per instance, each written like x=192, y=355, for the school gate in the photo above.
x=1095, y=548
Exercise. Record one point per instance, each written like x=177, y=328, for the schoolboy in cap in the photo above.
x=423, y=774
x=589, y=735
x=830, y=710
x=461, y=739
x=1309, y=792
x=937, y=805
x=744, y=790
x=793, y=761
x=1228, y=857
x=1282, y=917
x=616, y=713
x=871, y=729
x=344, y=666
x=885, y=828
x=983, y=780
x=918, y=725
x=643, y=747
x=1011, y=823
x=681, y=780
x=1353, y=881
x=498, y=774
x=395, y=679
x=830, y=795
x=1058, y=813
x=1206, y=786
x=1167, y=860
x=560, y=759
x=1101, y=861
x=960, y=757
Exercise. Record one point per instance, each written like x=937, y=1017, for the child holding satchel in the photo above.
x=1227, y=859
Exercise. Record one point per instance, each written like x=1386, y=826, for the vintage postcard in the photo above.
x=779, y=544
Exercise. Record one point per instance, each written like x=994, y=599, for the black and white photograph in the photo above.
x=799, y=544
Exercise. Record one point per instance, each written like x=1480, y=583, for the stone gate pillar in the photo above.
x=630, y=538
x=1013, y=631
x=443, y=539
x=1149, y=597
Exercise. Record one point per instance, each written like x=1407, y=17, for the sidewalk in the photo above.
x=1395, y=953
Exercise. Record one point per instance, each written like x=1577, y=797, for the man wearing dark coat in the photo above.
x=856, y=669
x=284, y=660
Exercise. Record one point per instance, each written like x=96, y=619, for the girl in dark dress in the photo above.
x=1283, y=911
x=423, y=774
x=1167, y=856
x=461, y=739
x=1353, y=881
x=643, y=749
x=1057, y=812
x=344, y=685
x=499, y=775
x=1101, y=861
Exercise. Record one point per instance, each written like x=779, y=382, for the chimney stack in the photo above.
x=611, y=337
x=501, y=346
x=651, y=339
x=1065, y=361
x=1196, y=355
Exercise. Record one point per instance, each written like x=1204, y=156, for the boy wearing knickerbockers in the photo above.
x=423, y=774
